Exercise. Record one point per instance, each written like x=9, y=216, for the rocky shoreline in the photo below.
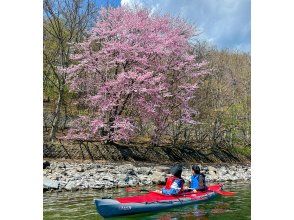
x=73, y=176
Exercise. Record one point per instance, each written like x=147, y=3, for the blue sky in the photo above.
x=113, y=3
x=223, y=23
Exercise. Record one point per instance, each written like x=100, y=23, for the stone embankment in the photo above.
x=77, y=176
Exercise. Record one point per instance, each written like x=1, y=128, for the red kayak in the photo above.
x=152, y=201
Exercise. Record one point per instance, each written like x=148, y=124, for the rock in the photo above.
x=163, y=169
x=223, y=170
x=122, y=183
x=211, y=168
x=50, y=184
x=62, y=165
x=157, y=177
x=100, y=184
x=111, y=167
x=97, y=187
x=205, y=169
x=131, y=172
x=125, y=167
x=144, y=170
x=64, y=173
x=108, y=177
x=101, y=170
x=142, y=177
x=109, y=186
x=121, y=177
x=77, y=176
x=186, y=173
x=58, y=178
x=71, y=186
x=46, y=164
x=62, y=184
x=133, y=182
x=93, y=166
x=146, y=182
x=53, y=166
x=80, y=169
x=212, y=173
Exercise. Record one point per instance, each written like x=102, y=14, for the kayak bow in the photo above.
x=151, y=202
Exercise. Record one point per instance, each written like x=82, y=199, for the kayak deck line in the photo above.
x=151, y=202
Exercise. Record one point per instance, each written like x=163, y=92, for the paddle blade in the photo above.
x=226, y=193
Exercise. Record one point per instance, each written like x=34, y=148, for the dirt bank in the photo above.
x=137, y=153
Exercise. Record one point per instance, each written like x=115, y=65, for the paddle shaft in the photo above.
x=221, y=192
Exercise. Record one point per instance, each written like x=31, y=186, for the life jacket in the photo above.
x=195, y=182
x=170, y=181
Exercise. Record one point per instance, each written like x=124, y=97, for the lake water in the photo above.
x=79, y=205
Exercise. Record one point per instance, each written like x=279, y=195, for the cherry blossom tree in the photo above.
x=133, y=65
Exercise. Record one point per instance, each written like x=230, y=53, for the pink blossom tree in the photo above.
x=134, y=65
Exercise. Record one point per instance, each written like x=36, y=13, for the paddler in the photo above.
x=175, y=183
x=197, y=180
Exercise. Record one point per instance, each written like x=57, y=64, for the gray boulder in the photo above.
x=50, y=184
x=158, y=177
x=162, y=169
x=71, y=186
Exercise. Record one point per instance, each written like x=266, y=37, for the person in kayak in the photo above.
x=175, y=183
x=197, y=181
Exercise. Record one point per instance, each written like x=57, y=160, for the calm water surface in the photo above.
x=79, y=205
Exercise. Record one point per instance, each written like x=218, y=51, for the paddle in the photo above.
x=221, y=192
x=224, y=193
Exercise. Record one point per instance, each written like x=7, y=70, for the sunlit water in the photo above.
x=79, y=205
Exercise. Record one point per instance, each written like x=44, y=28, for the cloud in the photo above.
x=224, y=23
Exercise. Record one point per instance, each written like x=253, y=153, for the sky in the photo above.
x=223, y=23
x=104, y=3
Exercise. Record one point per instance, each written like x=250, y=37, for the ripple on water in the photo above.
x=79, y=205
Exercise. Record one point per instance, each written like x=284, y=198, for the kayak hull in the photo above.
x=113, y=207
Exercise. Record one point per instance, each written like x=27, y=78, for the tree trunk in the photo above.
x=186, y=139
x=155, y=139
x=215, y=134
x=55, y=123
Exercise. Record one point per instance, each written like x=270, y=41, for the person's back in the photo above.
x=197, y=181
x=175, y=183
